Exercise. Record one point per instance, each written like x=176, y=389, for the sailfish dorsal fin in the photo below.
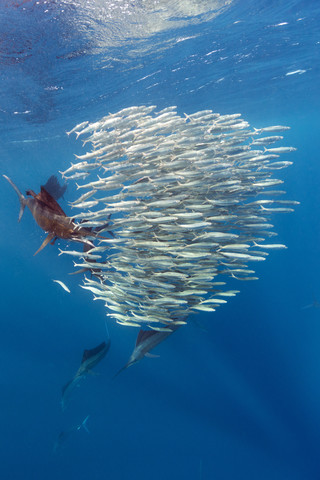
x=93, y=351
x=50, y=202
x=143, y=335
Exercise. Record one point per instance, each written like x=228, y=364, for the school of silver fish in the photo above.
x=190, y=199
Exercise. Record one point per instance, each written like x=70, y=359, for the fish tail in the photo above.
x=22, y=199
x=83, y=424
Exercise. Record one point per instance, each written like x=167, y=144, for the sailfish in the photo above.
x=51, y=218
x=146, y=341
x=90, y=358
x=66, y=433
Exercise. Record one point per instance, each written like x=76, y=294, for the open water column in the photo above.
x=154, y=142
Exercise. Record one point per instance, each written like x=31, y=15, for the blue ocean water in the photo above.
x=234, y=396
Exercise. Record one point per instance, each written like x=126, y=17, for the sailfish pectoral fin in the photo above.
x=45, y=243
x=151, y=355
x=91, y=372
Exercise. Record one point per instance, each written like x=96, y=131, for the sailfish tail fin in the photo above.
x=22, y=199
x=84, y=424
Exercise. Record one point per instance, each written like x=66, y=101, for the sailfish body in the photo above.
x=90, y=359
x=146, y=341
x=50, y=217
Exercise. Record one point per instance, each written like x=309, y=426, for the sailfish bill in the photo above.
x=51, y=218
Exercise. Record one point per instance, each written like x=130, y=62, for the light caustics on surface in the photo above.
x=112, y=22
x=51, y=49
x=182, y=198
x=108, y=23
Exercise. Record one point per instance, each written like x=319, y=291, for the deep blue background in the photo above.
x=235, y=397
